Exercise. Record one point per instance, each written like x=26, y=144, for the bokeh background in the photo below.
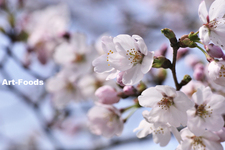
x=31, y=31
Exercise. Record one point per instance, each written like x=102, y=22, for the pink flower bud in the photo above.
x=129, y=90
x=107, y=95
x=119, y=79
x=214, y=51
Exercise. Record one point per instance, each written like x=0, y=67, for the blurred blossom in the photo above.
x=162, y=50
x=199, y=72
x=89, y=83
x=105, y=120
x=191, y=60
x=107, y=95
x=75, y=52
x=64, y=88
x=45, y=26
x=182, y=52
x=190, y=88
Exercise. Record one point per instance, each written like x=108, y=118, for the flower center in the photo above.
x=202, y=112
x=166, y=102
x=197, y=143
x=79, y=58
x=134, y=56
x=110, y=52
x=222, y=71
x=158, y=130
x=70, y=87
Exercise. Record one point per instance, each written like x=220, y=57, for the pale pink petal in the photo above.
x=141, y=44
x=212, y=145
x=202, y=12
x=217, y=33
x=195, y=124
x=162, y=139
x=204, y=35
x=101, y=65
x=211, y=125
x=150, y=97
x=126, y=42
x=176, y=133
x=113, y=74
x=133, y=75
x=119, y=62
x=107, y=44
x=216, y=9
x=217, y=103
x=198, y=97
x=55, y=84
x=144, y=128
x=169, y=91
x=147, y=61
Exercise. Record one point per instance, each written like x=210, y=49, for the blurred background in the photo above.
x=34, y=32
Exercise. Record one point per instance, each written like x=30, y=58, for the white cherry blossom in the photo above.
x=168, y=105
x=207, y=112
x=206, y=141
x=216, y=72
x=105, y=120
x=127, y=54
x=213, y=23
x=160, y=132
x=64, y=88
x=75, y=52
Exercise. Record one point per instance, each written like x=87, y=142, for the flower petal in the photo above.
x=141, y=44
x=204, y=35
x=126, y=42
x=133, y=75
x=101, y=65
x=107, y=44
x=217, y=33
x=202, y=12
x=149, y=97
x=217, y=10
x=147, y=61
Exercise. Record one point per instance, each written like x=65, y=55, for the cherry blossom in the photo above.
x=206, y=141
x=216, y=72
x=213, y=23
x=105, y=120
x=160, y=132
x=207, y=112
x=127, y=54
x=168, y=105
x=64, y=88
x=76, y=52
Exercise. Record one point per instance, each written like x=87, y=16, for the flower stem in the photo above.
x=205, y=53
x=175, y=45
